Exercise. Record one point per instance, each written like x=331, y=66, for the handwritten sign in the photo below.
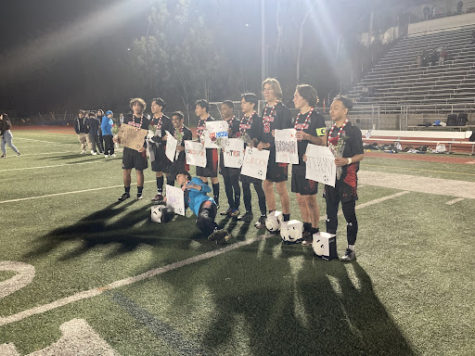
x=215, y=130
x=195, y=153
x=171, y=146
x=131, y=137
x=286, y=146
x=176, y=199
x=233, y=152
x=320, y=165
x=255, y=163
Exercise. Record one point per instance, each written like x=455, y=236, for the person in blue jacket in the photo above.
x=106, y=128
x=203, y=206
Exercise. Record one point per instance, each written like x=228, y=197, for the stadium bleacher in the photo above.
x=397, y=80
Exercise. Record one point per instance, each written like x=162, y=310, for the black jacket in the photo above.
x=81, y=125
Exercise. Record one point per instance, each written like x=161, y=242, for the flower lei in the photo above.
x=304, y=125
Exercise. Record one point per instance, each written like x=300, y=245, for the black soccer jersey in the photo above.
x=202, y=125
x=233, y=123
x=251, y=127
x=139, y=122
x=312, y=123
x=274, y=118
x=160, y=125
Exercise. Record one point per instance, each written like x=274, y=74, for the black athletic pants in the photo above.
x=333, y=198
x=109, y=145
x=233, y=190
x=246, y=192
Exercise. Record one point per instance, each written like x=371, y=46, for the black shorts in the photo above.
x=161, y=162
x=134, y=159
x=211, y=169
x=227, y=171
x=342, y=192
x=276, y=172
x=303, y=186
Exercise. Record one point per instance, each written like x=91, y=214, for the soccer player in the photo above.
x=7, y=137
x=211, y=169
x=250, y=129
x=100, y=139
x=203, y=206
x=348, y=156
x=310, y=127
x=275, y=116
x=181, y=134
x=131, y=158
x=160, y=164
x=82, y=130
x=93, y=124
x=230, y=175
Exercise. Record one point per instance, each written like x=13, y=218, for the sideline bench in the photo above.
x=449, y=138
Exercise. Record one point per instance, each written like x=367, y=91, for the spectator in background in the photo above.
x=434, y=57
x=459, y=7
x=7, y=137
x=81, y=128
x=427, y=13
x=93, y=124
x=425, y=58
x=106, y=128
x=443, y=55
x=121, y=119
x=100, y=140
x=473, y=36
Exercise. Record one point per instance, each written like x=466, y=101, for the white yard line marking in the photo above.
x=47, y=153
x=67, y=193
x=372, y=202
x=148, y=274
x=44, y=167
x=452, y=202
x=30, y=139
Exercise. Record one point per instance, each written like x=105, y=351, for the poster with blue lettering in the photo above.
x=286, y=146
x=233, y=152
x=215, y=132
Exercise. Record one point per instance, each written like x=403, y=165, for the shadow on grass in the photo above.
x=120, y=225
x=274, y=300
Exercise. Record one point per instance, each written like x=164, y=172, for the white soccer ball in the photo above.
x=318, y=245
x=291, y=231
x=160, y=213
x=274, y=221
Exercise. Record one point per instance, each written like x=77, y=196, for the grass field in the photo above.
x=411, y=290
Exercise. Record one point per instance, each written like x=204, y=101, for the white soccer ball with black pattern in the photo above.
x=274, y=221
x=291, y=231
x=160, y=213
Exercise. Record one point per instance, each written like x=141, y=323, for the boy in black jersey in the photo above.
x=347, y=161
x=211, y=169
x=181, y=134
x=230, y=175
x=276, y=116
x=160, y=163
x=250, y=129
x=131, y=158
x=310, y=127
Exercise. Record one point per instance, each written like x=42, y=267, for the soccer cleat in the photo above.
x=219, y=236
x=246, y=217
x=348, y=256
x=4, y=156
x=124, y=196
x=261, y=223
x=158, y=198
x=113, y=155
x=139, y=196
x=18, y=154
x=226, y=213
x=234, y=213
x=307, y=239
x=93, y=153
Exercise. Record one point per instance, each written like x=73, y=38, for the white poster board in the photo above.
x=215, y=130
x=171, y=146
x=286, y=150
x=233, y=152
x=320, y=165
x=176, y=199
x=255, y=163
x=195, y=154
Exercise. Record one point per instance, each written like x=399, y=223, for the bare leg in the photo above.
x=313, y=210
x=267, y=185
x=127, y=178
x=284, y=197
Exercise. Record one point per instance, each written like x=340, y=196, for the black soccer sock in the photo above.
x=216, y=192
x=160, y=184
x=127, y=189
x=286, y=217
x=139, y=190
x=307, y=226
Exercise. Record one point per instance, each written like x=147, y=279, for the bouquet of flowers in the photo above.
x=337, y=150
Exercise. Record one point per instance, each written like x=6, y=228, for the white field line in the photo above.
x=51, y=142
x=44, y=167
x=452, y=202
x=67, y=193
x=371, y=202
x=46, y=153
x=146, y=275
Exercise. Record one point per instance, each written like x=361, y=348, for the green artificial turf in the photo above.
x=410, y=291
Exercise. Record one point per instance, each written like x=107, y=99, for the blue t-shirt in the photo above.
x=195, y=198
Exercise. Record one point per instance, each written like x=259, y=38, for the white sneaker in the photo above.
x=114, y=155
x=93, y=153
x=106, y=156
